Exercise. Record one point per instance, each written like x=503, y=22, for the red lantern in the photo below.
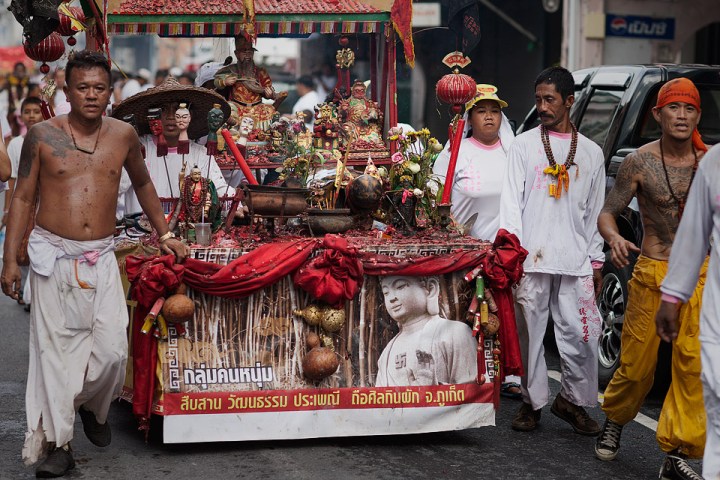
x=49, y=50
x=66, y=23
x=456, y=89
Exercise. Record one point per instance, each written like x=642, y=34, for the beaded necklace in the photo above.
x=560, y=172
x=81, y=149
x=680, y=201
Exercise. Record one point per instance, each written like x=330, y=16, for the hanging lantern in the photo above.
x=49, y=50
x=455, y=88
x=72, y=20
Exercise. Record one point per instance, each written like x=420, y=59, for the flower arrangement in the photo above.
x=292, y=142
x=411, y=171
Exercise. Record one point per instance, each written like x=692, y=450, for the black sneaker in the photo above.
x=59, y=462
x=608, y=443
x=575, y=415
x=526, y=419
x=676, y=467
x=97, y=433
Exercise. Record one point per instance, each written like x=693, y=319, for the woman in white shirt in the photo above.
x=480, y=173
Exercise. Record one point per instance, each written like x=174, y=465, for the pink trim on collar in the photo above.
x=565, y=136
x=481, y=145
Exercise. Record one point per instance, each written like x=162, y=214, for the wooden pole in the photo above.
x=392, y=64
x=384, y=80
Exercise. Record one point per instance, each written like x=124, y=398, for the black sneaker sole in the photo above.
x=569, y=421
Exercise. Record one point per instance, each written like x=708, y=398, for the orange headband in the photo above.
x=682, y=90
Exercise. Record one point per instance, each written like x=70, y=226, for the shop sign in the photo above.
x=640, y=27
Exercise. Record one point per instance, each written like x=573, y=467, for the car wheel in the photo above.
x=611, y=304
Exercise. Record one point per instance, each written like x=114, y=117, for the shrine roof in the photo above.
x=233, y=7
x=218, y=18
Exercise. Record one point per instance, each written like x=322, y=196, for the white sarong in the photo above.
x=78, y=339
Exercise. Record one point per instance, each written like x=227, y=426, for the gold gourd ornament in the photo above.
x=311, y=313
x=333, y=320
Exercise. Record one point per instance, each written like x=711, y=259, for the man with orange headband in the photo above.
x=659, y=174
x=699, y=230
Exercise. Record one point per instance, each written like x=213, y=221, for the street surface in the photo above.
x=553, y=451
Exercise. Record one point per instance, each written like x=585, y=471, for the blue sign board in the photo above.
x=639, y=27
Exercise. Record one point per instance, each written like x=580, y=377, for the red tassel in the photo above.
x=162, y=146
x=211, y=147
x=183, y=147
x=46, y=110
x=481, y=358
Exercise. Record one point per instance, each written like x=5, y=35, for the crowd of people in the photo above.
x=546, y=186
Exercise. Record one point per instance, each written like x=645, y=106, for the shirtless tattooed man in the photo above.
x=78, y=321
x=659, y=174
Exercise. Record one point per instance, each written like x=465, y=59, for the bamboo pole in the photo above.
x=350, y=318
x=361, y=346
x=372, y=301
x=296, y=366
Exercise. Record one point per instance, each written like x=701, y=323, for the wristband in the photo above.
x=666, y=297
x=167, y=236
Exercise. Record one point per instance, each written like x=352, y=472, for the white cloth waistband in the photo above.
x=44, y=248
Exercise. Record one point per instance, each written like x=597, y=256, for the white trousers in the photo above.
x=571, y=302
x=78, y=348
x=710, y=375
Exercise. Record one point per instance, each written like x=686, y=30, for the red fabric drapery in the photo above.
x=334, y=277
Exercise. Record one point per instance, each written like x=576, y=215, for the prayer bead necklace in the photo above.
x=570, y=161
x=560, y=172
x=85, y=150
x=680, y=201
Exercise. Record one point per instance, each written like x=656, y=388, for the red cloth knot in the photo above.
x=333, y=276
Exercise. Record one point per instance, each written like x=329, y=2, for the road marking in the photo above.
x=643, y=420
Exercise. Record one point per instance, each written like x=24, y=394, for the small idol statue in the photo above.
x=154, y=118
x=182, y=120
x=215, y=121
x=199, y=199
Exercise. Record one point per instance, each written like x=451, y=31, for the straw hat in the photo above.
x=200, y=101
x=485, y=92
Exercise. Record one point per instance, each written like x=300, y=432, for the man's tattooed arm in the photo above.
x=625, y=187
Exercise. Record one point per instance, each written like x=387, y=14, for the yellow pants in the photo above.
x=682, y=420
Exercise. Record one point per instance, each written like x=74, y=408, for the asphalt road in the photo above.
x=553, y=451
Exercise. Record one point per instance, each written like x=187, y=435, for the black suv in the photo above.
x=613, y=108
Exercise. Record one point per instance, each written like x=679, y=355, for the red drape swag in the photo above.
x=334, y=276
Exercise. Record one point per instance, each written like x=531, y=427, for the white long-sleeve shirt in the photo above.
x=560, y=235
x=699, y=229
x=478, y=180
x=168, y=169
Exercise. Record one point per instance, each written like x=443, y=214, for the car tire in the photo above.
x=611, y=304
